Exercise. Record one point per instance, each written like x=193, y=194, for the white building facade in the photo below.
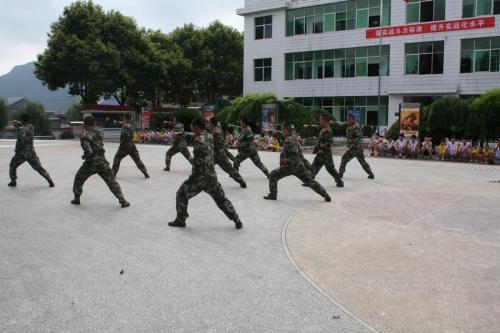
x=329, y=54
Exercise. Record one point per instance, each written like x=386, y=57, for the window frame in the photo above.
x=264, y=26
x=266, y=67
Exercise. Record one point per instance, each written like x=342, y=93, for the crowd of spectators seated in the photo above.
x=462, y=150
x=153, y=137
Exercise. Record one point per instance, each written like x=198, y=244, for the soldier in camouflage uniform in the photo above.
x=25, y=152
x=323, y=151
x=247, y=149
x=354, y=138
x=178, y=146
x=95, y=163
x=203, y=178
x=291, y=164
x=220, y=154
x=128, y=148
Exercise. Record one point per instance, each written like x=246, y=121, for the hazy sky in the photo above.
x=24, y=24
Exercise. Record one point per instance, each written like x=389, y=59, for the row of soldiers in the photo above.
x=208, y=150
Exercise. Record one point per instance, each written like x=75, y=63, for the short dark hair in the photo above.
x=325, y=115
x=199, y=122
x=413, y=136
x=128, y=116
x=213, y=121
x=350, y=115
x=245, y=121
x=89, y=121
x=25, y=117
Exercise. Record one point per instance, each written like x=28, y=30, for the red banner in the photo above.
x=145, y=119
x=432, y=27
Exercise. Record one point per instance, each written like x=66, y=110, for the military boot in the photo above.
x=124, y=203
x=238, y=224
x=75, y=201
x=12, y=183
x=271, y=196
x=177, y=224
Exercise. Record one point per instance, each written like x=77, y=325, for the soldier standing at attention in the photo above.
x=354, y=138
x=203, y=178
x=247, y=148
x=220, y=155
x=95, y=163
x=25, y=152
x=178, y=146
x=323, y=151
x=128, y=148
x=291, y=164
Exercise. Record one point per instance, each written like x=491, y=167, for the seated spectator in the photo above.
x=401, y=146
x=464, y=150
x=274, y=145
x=389, y=147
x=427, y=147
x=413, y=147
x=475, y=153
x=374, y=145
x=453, y=149
x=497, y=152
x=487, y=154
x=442, y=150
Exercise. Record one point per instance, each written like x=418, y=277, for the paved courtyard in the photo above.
x=415, y=250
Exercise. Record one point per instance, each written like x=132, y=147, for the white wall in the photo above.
x=396, y=85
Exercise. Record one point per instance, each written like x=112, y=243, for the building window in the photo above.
x=263, y=69
x=425, y=10
x=264, y=27
x=339, y=107
x=480, y=55
x=340, y=16
x=424, y=58
x=472, y=8
x=340, y=63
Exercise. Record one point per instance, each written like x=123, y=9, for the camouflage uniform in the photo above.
x=128, y=148
x=247, y=149
x=203, y=178
x=354, y=138
x=25, y=152
x=291, y=164
x=323, y=151
x=221, y=157
x=95, y=163
x=179, y=146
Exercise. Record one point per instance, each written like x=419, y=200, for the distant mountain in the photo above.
x=21, y=82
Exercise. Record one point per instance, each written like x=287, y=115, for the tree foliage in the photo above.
x=446, y=117
x=3, y=114
x=488, y=104
x=74, y=112
x=38, y=117
x=97, y=53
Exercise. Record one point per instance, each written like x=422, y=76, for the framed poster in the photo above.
x=270, y=117
x=409, y=119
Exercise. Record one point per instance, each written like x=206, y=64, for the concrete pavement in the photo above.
x=413, y=251
x=60, y=264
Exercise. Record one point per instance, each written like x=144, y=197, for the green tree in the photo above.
x=38, y=117
x=489, y=105
x=475, y=126
x=223, y=64
x=76, y=55
x=3, y=114
x=74, y=112
x=248, y=106
x=447, y=117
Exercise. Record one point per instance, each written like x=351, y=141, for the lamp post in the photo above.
x=380, y=62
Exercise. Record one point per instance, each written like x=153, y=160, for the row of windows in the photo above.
x=480, y=55
x=367, y=106
x=472, y=8
x=477, y=55
x=339, y=63
x=339, y=16
x=424, y=58
x=425, y=10
x=357, y=14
